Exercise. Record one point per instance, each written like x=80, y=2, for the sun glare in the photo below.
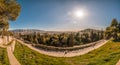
x=79, y=14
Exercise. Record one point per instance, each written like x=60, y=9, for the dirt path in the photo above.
x=68, y=54
x=12, y=59
x=118, y=63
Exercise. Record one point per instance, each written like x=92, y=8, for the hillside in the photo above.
x=108, y=54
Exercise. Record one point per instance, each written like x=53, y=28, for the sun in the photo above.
x=79, y=13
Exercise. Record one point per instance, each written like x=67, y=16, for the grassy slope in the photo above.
x=3, y=57
x=27, y=56
x=108, y=54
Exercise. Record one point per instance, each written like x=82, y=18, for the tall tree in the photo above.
x=112, y=30
x=9, y=11
x=114, y=23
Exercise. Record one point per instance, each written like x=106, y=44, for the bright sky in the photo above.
x=66, y=15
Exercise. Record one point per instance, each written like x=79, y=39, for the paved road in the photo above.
x=68, y=54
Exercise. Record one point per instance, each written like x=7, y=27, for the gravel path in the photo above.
x=66, y=54
x=118, y=63
x=12, y=59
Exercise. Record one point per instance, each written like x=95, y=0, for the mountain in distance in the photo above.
x=90, y=30
x=28, y=31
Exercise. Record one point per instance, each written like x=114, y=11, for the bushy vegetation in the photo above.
x=113, y=31
x=64, y=39
x=108, y=54
x=3, y=57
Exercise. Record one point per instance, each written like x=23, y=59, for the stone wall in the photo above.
x=52, y=48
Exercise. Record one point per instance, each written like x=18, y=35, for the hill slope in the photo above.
x=108, y=54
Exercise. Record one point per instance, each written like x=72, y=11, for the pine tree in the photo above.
x=112, y=30
x=114, y=23
x=9, y=11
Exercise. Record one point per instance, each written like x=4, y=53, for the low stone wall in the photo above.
x=52, y=48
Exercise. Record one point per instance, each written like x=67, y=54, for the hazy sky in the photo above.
x=60, y=14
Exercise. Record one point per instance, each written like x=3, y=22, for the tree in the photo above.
x=4, y=27
x=9, y=11
x=35, y=37
x=101, y=35
x=85, y=38
x=64, y=41
x=108, y=34
x=91, y=36
x=71, y=40
x=114, y=23
x=113, y=30
x=77, y=37
x=119, y=27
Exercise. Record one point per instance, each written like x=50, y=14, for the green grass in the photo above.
x=108, y=54
x=3, y=57
x=27, y=56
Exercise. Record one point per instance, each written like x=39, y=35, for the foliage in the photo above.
x=113, y=30
x=63, y=39
x=9, y=11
